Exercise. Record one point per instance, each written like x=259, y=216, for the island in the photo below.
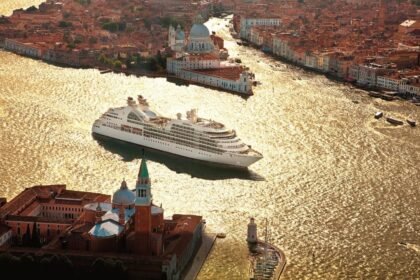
x=54, y=230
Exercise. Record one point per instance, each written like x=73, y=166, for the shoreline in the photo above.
x=138, y=73
x=197, y=263
x=179, y=81
x=400, y=96
x=101, y=68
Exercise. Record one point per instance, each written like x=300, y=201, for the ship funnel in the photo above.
x=179, y=116
x=130, y=101
x=193, y=115
x=142, y=100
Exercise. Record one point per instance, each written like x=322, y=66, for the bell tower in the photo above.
x=143, y=215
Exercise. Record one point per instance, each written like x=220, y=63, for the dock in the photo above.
x=257, y=270
x=197, y=263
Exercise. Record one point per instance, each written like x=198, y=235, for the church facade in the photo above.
x=197, y=59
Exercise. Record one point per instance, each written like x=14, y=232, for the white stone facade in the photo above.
x=247, y=23
x=175, y=65
x=388, y=83
x=200, y=53
x=22, y=48
x=241, y=85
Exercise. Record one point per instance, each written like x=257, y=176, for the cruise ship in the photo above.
x=193, y=137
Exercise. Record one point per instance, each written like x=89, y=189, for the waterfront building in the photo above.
x=408, y=26
x=281, y=46
x=406, y=83
x=198, y=60
x=27, y=49
x=311, y=60
x=368, y=73
x=388, y=82
x=246, y=24
x=128, y=226
x=410, y=87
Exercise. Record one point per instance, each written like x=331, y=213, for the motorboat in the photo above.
x=378, y=115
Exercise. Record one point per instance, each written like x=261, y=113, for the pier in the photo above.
x=267, y=260
x=197, y=263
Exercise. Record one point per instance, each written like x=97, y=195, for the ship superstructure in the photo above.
x=193, y=137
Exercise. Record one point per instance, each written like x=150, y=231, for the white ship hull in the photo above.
x=230, y=159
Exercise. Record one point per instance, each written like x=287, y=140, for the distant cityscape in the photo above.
x=372, y=43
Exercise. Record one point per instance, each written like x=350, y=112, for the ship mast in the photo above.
x=265, y=246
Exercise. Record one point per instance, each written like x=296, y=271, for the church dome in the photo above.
x=199, y=31
x=123, y=196
x=180, y=35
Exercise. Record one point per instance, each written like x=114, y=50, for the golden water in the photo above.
x=339, y=188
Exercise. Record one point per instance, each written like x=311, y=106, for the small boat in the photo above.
x=394, y=121
x=355, y=101
x=387, y=97
x=221, y=235
x=378, y=115
x=374, y=94
x=411, y=122
x=239, y=42
x=238, y=60
x=383, y=96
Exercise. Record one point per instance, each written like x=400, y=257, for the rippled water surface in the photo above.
x=339, y=188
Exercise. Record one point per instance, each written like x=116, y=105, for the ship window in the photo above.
x=133, y=116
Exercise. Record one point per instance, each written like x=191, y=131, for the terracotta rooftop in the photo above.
x=229, y=73
x=183, y=232
x=29, y=198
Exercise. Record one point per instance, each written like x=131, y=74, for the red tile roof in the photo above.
x=229, y=73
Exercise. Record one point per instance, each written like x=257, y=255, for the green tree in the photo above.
x=161, y=61
x=92, y=40
x=35, y=239
x=152, y=63
x=147, y=23
x=64, y=24
x=117, y=64
x=71, y=45
x=83, y=2
x=110, y=26
x=26, y=239
x=32, y=9
x=78, y=39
